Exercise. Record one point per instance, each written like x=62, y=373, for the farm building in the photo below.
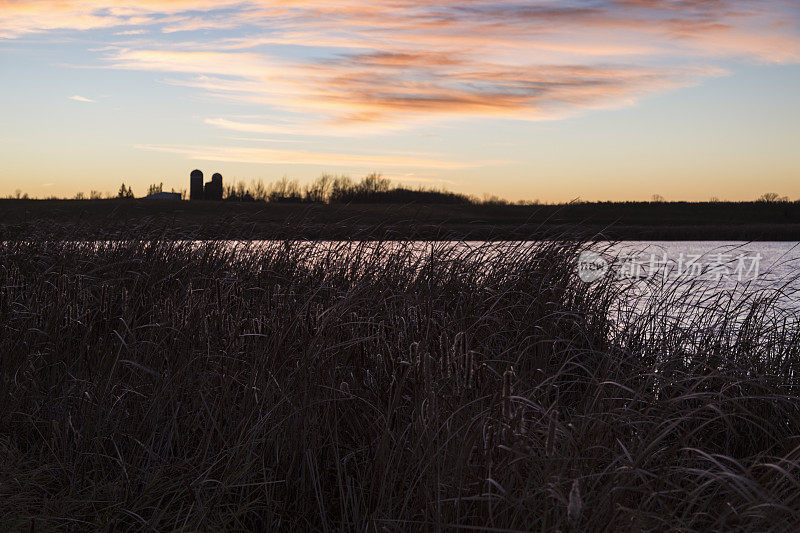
x=163, y=196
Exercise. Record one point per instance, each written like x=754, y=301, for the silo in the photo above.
x=196, y=185
x=214, y=188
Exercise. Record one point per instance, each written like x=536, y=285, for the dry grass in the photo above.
x=171, y=386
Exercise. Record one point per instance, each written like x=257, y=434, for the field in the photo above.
x=744, y=221
x=164, y=385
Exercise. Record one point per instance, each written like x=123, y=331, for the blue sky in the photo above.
x=602, y=100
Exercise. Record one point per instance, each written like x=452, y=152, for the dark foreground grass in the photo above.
x=171, y=386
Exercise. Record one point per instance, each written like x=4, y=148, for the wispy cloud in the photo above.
x=307, y=157
x=79, y=98
x=411, y=178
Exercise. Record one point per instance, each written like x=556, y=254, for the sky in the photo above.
x=551, y=100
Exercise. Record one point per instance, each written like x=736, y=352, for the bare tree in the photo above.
x=342, y=185
x=374, y=183
x=772, y=197
x=319, y=191
x=284, y=190
x=259, y=192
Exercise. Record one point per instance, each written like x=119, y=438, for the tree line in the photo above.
x=328, y=188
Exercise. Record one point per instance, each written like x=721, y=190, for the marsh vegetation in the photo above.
x=183, y=386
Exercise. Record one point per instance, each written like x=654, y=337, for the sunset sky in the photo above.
x=538, y=99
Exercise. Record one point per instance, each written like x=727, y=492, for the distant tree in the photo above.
x=259, y=192
x=714, y=200
x=340, y=189
x=657, y=198
x=95, y=195
x=155, y=189
x=772, y=197
x=319, y=191
x=372, y=184
x=80, y=196
x=125, y=192
x=491, y=199
x=238, y=192
x=284, y=190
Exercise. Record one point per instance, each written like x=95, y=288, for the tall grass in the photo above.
x=205, y=386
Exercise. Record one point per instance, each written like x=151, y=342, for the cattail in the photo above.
x=413, y=353
x=427, y=370
x=458, y=343
x=55, y=433
x=488, y=438
x=551, y=434
x=104, y=299
x=575, y=503
x=519, y=421
x=469, y=372
x=507, y=392
x=413, y=358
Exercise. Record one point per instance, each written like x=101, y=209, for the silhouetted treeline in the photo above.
x=376, y=189
x=327, y=189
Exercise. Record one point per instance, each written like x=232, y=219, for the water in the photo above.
x=696, y=287
x=703, y=284
x=701, y=269
x=728, y=264
x=762, y=264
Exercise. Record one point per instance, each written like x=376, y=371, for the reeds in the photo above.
x=211, y=386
